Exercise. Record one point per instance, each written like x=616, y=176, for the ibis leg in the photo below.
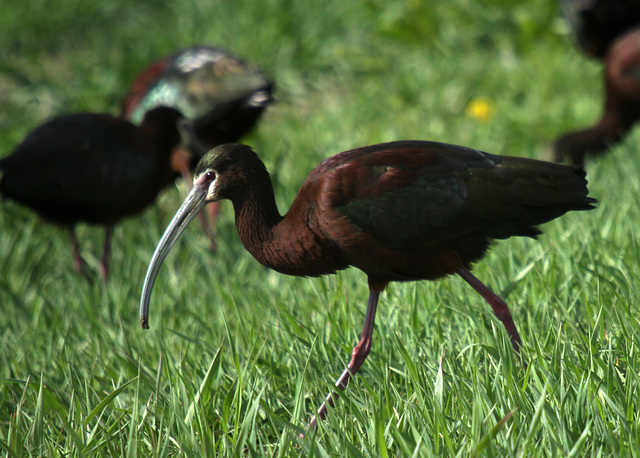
x=498, y=305
x=359, y=354
x=79, y=263
x=106, y=253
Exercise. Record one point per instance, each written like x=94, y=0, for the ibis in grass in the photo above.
x=596, y=24
x=401, y=211
x=92, y=168
x=622, y=103
x=222, y=95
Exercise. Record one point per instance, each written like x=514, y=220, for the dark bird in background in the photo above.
x=222, y=96
x=92, y=168
x=596, y=24
x=402, y=211
x=622, y=104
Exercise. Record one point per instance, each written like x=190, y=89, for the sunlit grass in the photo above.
x=238, y=357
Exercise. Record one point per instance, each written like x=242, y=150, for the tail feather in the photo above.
x=529, y=193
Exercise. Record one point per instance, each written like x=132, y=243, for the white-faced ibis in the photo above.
x=597, y=23
x=94, y=168
x=223, y=97
x=622, y=105
x=402, y=211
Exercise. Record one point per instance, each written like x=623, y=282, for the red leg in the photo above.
x=79, y=263
x=106, y=253
x=359, y=354
x=498, y=305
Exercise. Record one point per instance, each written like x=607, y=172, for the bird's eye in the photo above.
x=210, y=176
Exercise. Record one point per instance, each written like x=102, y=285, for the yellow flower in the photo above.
x=481, y=109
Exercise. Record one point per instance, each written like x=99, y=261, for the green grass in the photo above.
x=238, y=357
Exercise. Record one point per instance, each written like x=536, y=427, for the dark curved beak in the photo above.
x=193, y=203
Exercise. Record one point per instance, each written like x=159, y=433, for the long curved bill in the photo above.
x=193, y=203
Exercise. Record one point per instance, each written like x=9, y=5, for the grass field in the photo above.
x=238, y=357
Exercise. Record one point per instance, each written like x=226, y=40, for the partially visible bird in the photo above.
x=622, y=105
x=401, y=211
x=223, y=97
x=92, y=168
x=597, y=23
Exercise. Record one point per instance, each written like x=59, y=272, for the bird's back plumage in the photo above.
x=416, y=194
x=88, y=167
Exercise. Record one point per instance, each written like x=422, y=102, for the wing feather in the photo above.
x=422, y=194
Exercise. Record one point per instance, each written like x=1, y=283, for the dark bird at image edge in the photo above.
x=598, y=23
x=621, y=108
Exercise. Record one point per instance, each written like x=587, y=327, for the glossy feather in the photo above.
x=223, y=95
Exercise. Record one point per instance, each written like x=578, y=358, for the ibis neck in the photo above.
x=285, y=244
x=257, y=218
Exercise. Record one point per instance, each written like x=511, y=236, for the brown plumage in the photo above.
x=401, y=211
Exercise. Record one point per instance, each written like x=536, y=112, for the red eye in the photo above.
x=210, y=176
